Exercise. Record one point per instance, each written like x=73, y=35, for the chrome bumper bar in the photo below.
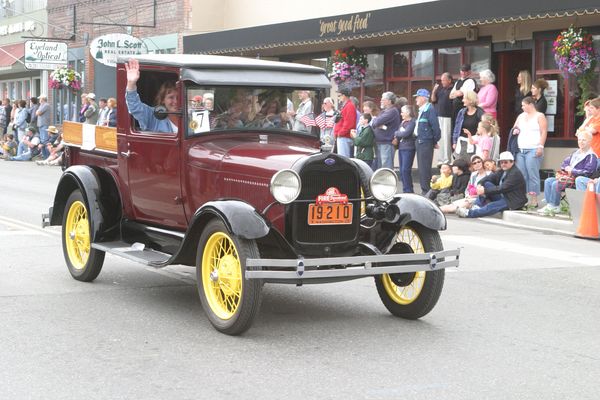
x=342, y=267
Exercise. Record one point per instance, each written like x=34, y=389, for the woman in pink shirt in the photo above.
x=488, y=94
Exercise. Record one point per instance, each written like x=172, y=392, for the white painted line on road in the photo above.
x=528, y=250
x=13, y=223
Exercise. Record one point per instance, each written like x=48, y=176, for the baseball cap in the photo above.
x=91, y=96
x=465, y=67
x=422, y=92
x=506, y=156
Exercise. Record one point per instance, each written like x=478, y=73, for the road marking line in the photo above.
x=13, y=223
x=511, y=247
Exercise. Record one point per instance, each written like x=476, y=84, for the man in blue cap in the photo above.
x=427, y=135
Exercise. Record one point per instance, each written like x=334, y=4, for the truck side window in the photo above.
x=153, y=89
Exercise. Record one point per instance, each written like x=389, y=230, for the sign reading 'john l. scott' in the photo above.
x=106, y=49
x=45, y=55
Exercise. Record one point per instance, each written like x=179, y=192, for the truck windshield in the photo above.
x=223, y=108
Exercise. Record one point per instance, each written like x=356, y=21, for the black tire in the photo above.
x=392, y=287
x=84, y=262
x=229, y=300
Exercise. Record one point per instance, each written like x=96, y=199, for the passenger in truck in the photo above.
x=143, y=113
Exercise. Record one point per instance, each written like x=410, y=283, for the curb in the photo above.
x=502, y=222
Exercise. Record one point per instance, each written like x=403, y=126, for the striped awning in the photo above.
x=11, y=54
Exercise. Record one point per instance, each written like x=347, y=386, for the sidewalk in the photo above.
x=560, y=224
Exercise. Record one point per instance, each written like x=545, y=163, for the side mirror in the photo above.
x=160, y=112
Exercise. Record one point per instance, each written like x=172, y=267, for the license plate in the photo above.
x=330, y=214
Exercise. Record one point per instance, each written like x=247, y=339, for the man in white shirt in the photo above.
x=102, y=113
x=304, y=108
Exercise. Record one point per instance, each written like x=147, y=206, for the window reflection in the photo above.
x=229, y=108
x=422, y=63
x=478, y=57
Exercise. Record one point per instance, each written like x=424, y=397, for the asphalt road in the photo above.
x=518, y=320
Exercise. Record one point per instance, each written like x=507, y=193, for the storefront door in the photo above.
x=509, y=63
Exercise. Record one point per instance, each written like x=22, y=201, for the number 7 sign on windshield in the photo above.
x=200, y=122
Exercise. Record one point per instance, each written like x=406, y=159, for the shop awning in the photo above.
x=421, y=17
x=11, y=54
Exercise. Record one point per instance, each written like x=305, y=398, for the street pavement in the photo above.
x=518, y=320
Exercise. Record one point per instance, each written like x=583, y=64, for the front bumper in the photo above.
x=348, y=267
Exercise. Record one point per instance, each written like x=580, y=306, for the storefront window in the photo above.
x=400, y=64
x=375, y=68
x=400, y=89
x=555, y=95
x=373, y=92
x=478, y=57
x=448, y=60
x=546, y=57
x=422, y=63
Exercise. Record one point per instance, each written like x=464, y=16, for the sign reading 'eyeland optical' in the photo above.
x=45, y=55
x=107, y=48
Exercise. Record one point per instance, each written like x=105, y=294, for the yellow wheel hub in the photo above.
x=406, y=294
x=77, y=235
x=222, y=275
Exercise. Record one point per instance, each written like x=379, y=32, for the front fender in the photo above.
x=240, y=218
x=415, y=208
x=88, y=182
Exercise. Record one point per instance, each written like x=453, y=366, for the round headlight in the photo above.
x=285, y=186
x=384, y=183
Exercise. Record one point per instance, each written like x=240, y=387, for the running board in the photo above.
x=134, y=252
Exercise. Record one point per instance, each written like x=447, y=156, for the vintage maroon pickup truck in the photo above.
x=237, y=185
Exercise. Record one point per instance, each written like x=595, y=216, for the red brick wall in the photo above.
x=172, y=16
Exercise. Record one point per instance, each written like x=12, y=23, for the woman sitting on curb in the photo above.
x=583, y=162
x=471, y=189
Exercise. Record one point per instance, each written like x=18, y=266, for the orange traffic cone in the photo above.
x=588, y=223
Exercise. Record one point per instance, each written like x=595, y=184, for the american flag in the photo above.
x=322, y=121
x=308, y=120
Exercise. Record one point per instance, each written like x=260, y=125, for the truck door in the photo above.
x=154, y=173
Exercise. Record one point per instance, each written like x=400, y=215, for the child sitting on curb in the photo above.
x=440, y=182
x=8, y=146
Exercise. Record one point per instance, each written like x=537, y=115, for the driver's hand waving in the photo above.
x=133, y=73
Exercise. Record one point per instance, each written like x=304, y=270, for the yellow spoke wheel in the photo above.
x=229, y=300
x=84, y=262
x=412, y=295
x=77, y=235
x=221, y=275
x=407, y=290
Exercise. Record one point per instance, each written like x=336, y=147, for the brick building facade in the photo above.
x=158, y=23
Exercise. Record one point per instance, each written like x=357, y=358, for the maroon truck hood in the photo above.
x=245, y=155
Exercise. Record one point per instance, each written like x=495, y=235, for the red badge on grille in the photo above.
x=332, y=195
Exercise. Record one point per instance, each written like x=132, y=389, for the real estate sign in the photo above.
x=107, y=48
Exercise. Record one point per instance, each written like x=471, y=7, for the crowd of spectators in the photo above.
x=26, y=133
x=459, y=118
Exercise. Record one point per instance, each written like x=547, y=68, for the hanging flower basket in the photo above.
x=348, y=66
x=574, y=55
x=65, y=78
